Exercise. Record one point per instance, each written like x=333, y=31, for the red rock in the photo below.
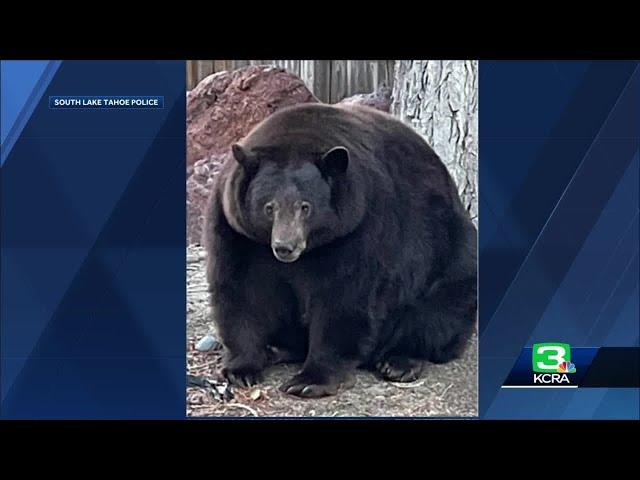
x=225, y=106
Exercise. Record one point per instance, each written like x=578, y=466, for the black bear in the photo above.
x=336, y=237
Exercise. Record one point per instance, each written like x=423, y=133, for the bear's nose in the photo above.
x=283, y=250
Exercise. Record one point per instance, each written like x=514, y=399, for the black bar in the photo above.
x=614, y=367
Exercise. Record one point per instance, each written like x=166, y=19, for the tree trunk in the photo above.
x=439, y=99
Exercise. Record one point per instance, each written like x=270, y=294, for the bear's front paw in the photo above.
x=242, y=376
x=310, y=386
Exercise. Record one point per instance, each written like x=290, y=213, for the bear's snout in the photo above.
x=288, y=235
x=287, y=252
x=283, y=250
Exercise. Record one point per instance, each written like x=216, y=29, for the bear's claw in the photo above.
x=300, y=386
x=400, y=369
x=242, y=377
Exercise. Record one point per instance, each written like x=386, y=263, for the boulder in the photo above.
x=225, y=106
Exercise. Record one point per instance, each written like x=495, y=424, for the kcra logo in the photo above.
x=551, y=362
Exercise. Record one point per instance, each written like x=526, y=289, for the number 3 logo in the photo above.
x=547, y=356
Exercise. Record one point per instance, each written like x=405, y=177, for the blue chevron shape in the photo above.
x=21, y=87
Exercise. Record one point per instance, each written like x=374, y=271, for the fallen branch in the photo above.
x=445, y=391
x=407, y=385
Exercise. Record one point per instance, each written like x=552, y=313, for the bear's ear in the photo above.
x=244, y=158
x=334, y=162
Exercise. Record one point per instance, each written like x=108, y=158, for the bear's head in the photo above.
x=290, y=196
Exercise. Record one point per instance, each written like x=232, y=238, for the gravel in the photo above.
x=449, y=390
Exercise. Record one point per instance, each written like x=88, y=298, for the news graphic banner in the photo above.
x=557, y=365
x=93, y=240
x=106, y=101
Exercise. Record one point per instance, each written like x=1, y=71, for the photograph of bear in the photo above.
x=336, y=238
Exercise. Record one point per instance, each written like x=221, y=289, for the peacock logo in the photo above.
x=566, y=367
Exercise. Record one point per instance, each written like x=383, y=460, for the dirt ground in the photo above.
x=448, y=390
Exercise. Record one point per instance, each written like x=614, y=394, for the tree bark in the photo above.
x=439, y=99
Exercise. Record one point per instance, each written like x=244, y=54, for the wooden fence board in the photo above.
x=329, y=80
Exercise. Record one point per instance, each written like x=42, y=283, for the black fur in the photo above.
x=389, y=270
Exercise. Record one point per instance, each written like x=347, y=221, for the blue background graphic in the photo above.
x=21, y=86
x=93, y=236
x=559, y=146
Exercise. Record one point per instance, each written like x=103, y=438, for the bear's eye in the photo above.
x=306, y=208
x=268, y=209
